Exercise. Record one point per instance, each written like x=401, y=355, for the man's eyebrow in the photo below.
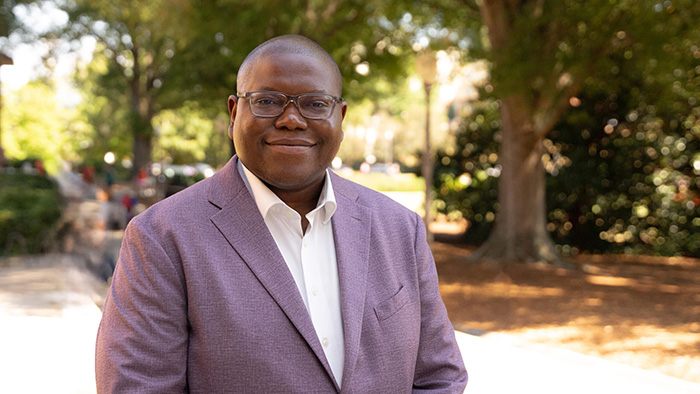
x=270, y=89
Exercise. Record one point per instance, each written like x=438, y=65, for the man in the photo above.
x=276, y=275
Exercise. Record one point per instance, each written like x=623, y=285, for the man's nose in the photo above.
x=290, y=118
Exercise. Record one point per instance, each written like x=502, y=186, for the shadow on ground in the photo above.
x=638, y=310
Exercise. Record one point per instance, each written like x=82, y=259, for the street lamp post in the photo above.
x=426, y=65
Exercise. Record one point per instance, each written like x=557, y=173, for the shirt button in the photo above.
x=325, y=342
x=306, y=244
x=314, y=291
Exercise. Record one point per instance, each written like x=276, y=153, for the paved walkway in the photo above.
x=498, y=364
x=48, y=322
x=49, y=318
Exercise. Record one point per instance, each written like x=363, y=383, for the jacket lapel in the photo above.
x=241, y=223
x=351, y=230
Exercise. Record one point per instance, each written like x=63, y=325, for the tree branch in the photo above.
x=497, y=15
x=545, y=122
x=338, y=27
x=471, y=5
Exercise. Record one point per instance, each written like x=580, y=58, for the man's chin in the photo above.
x=289, y=182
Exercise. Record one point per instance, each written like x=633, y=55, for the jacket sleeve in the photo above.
x=439, y=366
x=142, y=338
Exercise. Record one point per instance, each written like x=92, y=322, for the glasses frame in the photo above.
x=289, y=98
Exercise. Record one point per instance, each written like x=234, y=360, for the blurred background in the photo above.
x=552, y=147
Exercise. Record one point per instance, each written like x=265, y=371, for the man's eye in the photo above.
x=266, y=101
x=318, y=104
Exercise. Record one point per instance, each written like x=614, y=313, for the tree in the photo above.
x=541, y=53
x=38, y=134
x=621, y=165
x=139, y=39
x=8, y=24
x=164, y=53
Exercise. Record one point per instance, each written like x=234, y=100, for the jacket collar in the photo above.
x=351, y=230
x=266, y=199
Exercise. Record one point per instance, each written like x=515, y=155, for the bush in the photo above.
x=631, y=186
x=466, y=182
x=30, y=206
x=622, y=175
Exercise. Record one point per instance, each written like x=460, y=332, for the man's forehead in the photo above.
x=280, y=58
x=268, y=60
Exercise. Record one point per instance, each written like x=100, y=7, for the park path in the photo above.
x=498, y=363
x=48, y=324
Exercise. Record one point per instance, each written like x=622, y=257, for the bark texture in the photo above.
x=142, y=101
x=519, y=234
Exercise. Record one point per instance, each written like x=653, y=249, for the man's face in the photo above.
x=288, y=152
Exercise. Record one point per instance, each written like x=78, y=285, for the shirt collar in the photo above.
x=266, y=199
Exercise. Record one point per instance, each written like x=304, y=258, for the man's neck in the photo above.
x=302, y=201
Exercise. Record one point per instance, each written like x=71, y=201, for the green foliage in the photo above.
x=622, y=162
x=466, y=177
x=187, y=136
x=154, y=56
x=104, y=122
x=555, y=44
x=36, y=125
x=352, y=31
x=633, y=185
x=30, y=207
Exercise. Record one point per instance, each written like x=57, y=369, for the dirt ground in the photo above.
x=637, y=310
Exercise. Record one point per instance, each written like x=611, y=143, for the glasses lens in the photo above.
x=267, y=103
x=315, y=106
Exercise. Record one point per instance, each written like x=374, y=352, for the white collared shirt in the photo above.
x=311, y=260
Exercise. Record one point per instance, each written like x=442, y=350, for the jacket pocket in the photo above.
x=388, y=308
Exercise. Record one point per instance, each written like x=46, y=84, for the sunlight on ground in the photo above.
x=49, y=325
x=639, y=311
x=502, y=363
x=49, y=354
x=505, y=290
x=644, y=346
x=617, y=281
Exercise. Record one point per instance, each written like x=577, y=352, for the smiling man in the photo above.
x=276, y=275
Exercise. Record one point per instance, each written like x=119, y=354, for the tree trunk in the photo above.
x=143, y=146
x=520, y=234
x=142, y=117
x=142, y=131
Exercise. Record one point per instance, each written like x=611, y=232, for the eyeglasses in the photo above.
x=272, y=104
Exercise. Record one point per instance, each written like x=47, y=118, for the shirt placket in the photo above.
x=319, y=308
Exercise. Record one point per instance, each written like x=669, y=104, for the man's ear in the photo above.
x=232, y=104
x=343, y=109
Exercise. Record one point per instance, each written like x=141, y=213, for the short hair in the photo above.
x=287, y=44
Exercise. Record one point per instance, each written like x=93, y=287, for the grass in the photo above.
x=386, y=183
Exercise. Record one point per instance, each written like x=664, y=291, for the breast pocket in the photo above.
x=388, y=308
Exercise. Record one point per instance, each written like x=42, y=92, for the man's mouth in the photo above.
x=290, y=145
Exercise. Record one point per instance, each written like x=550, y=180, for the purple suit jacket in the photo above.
x=202, y=301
